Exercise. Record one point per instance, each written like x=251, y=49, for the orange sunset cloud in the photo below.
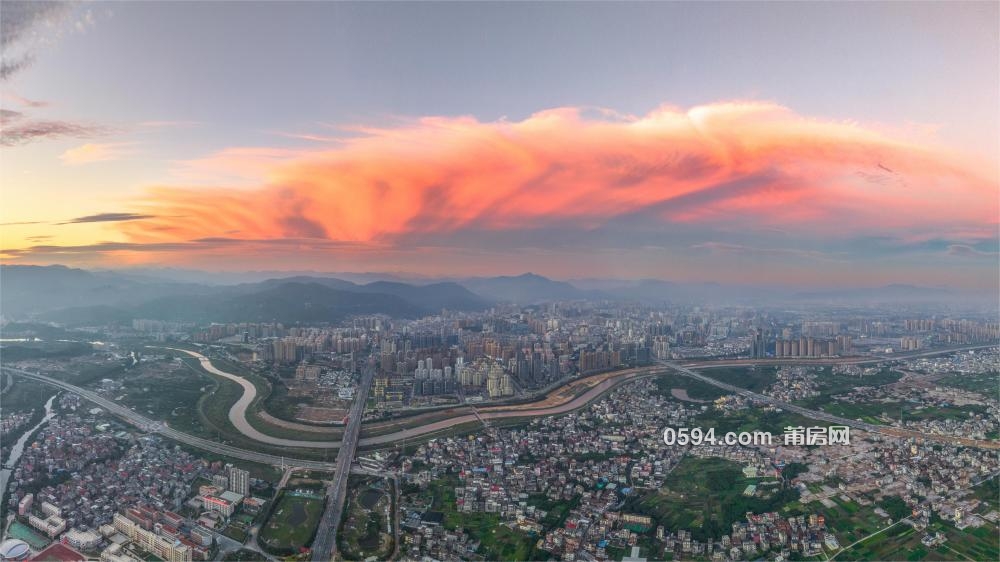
x=758, y=165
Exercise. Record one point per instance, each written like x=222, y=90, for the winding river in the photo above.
x=18, y=449
x=238, y=412
x=546, y=407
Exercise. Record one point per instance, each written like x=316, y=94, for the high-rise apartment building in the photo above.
x=239, y=481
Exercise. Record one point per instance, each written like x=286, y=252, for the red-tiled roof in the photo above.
x=58, y=552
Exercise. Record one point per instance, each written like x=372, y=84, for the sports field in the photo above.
x=293, y=522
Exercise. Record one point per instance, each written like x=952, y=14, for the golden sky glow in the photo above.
x=231, y=150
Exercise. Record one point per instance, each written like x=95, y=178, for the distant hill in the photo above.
x=432, y=297
x=435, y=296
x=286, y=302
x=331, y=282
x=79, y=297
x=526, y=289
x=26, y=289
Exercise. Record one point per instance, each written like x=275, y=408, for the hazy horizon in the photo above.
x=806, y=145
x=592, y=283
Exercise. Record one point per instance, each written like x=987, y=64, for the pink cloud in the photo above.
x=757, y=165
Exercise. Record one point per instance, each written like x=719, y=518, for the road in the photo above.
x=552, y=395
x=513, y=411
x=324, y=546
x=521, y=411
x=239, y=411
x=709, y=363
x=824, y=416
x=161, y=428
x=859, y=541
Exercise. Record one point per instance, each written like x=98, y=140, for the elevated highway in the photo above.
x=154, y=426
x=525, y=410
x=325, y=544
x=824, y=416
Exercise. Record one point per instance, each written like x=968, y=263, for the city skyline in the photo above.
x=475, y=140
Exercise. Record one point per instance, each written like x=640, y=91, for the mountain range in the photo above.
x=77, y=296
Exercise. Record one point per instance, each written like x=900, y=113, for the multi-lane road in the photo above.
x=325, y=545
x=824, y=416
x=239, y=412
x=513, y=411
x=154, y=426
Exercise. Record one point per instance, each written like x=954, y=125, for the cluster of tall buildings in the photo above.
x=964, y=331
x=599, y=360
x=245, y=330
x=804, y=346
x=661, y=347
x=294, y=348
x=151, y=326
x=499, y=383
x=430, y=381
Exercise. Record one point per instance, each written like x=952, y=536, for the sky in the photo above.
x=791, y=144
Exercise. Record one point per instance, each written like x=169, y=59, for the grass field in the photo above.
x=556, y=511
x=280, y=405
x=364, y=530
x=830, y=383
x=292, y=524
x=13, y=352
x=849, y=521
x=983, y=383
x=26, y=395
x=872, y=412
x=704, y=496
x=754, y=379
x=213, y=418
x=978, y=544
x=695, y=388
x=989, y=493
x=896, y=543
x=751, y=419
x=164, y=393
x=902, y=542
x=879, y=412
